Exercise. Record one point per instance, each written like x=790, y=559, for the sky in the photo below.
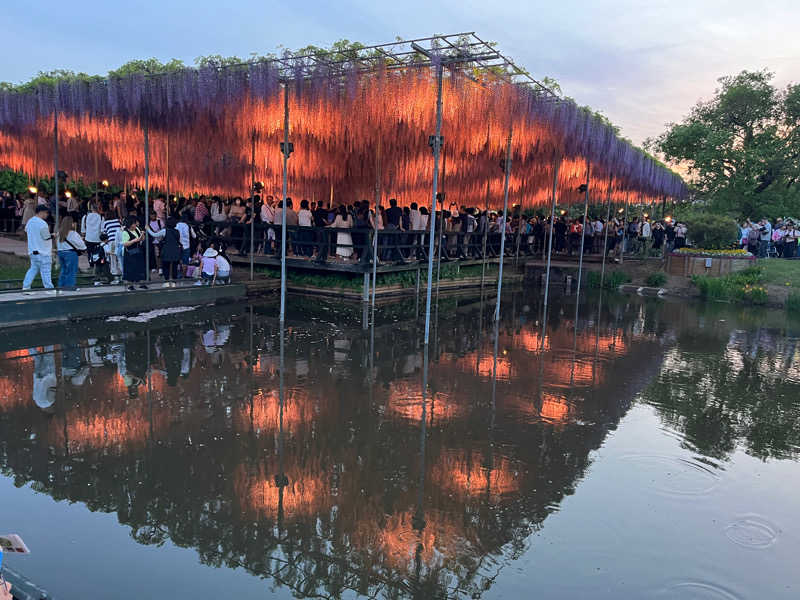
x=642, y=63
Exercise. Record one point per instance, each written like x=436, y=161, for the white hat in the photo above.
x=210, y=253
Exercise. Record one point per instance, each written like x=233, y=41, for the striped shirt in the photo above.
x=110, y=228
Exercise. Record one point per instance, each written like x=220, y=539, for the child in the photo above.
x=99, y=257
x=208, y=266
x=223, y=268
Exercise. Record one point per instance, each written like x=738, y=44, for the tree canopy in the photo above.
x=742, y=147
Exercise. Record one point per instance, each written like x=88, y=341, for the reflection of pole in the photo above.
x=146, y=201
x=552, y=232
x=583, y=231
x=283, y=211
x=418, y=520
x=436, y=150
x=252, y=195
x=282, y=480
x=507, y=170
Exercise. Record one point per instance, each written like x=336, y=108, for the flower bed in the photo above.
x=713, y=263
x=729, y=253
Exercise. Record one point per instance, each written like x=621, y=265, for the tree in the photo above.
x=742, y=147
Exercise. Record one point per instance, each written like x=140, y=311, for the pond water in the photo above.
x=643, y=449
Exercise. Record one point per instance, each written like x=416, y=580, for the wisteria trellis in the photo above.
x=209, y=116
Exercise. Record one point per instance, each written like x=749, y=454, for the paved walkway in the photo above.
x=19, y=247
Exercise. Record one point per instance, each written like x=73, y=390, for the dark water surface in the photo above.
x=651, y=451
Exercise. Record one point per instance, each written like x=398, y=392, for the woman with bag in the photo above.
x=70, y=245
x=170, y=249
x=134, y=268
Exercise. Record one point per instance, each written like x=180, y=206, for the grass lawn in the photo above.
x=781, y=272
x=12, y=267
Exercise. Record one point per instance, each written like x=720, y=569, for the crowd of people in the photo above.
x=190, y=237
x=766, y=238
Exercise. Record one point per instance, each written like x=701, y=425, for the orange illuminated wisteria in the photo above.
x=344, y=144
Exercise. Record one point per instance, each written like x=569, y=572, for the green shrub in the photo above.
x=744, y=286
x=711, y=231
x=656, y=279
x=612, y=280
x=793, y=303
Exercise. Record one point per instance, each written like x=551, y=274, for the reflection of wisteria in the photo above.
x=198, y=443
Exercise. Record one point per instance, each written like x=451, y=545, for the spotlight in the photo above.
x=33, y=189
x=668, y=219
x=646, y=215
x=105, y=183
x=621, y=210
x=68, y=194
x=563, y=212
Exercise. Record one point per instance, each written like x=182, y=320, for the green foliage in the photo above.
x=742, y=147
x=14, y=182
x=744, y=286
x=147, y=66
x=656, y=279
x=793, y=303
x=709, y=230
x=612, y=281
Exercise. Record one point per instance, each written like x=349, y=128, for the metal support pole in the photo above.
x=436, y=151
x=550, y=244
x=146, y=202
x=583, y=231
x=625, y=230
x=442, y=234
x=375, y=226
x=253, y=195
x=167, y=208
x=283, y=212
x=55, y=161
x=96, y=189
x=485, y=236
x=605, y=243
x=505, y=224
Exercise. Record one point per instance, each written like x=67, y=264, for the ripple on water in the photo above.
x=699, y=590
x=676, y=475
x=753, y=531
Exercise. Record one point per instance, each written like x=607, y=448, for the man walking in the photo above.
x=40, y=248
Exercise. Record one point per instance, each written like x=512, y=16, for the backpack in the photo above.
x=98, y=255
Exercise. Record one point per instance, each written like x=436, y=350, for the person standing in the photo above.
x=791, y=235
x=91, y=227
x=766, y=236
x=134, y=268
x=186, y=234
x=171, y=250
x=70, y=245
x=646, y=237
x=40, y=248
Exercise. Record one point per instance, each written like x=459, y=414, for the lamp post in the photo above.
x=507, y=170
x=286, y=150
x=436, y=144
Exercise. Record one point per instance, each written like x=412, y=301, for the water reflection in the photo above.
x=328, y=458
